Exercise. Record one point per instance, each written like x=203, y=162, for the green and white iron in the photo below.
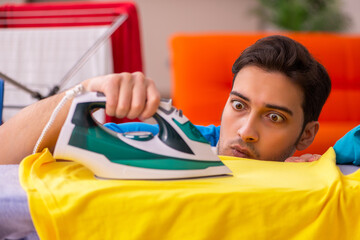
x=178, y=151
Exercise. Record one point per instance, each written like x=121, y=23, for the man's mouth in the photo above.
x=240, y=152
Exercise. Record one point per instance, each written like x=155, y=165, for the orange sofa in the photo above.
x=201, y=77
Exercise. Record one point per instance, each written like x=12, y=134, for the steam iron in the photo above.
x=178, y=151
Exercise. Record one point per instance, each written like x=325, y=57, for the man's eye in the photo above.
x=276, y=117
x=238, y=105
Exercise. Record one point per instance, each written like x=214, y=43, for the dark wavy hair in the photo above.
x=285, y=55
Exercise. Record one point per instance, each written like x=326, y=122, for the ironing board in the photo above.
x=125, y=52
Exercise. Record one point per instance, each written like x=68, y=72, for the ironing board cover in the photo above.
x=262, y=200
x=1, y=98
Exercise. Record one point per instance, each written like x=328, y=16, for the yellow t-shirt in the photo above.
x=262, y=200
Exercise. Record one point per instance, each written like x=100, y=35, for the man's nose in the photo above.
x=248, y=130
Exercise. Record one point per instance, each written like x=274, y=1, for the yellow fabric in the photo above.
x=262, y=200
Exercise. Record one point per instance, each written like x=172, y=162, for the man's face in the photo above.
x=263, y=117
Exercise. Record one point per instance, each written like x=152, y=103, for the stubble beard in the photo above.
x=288, y=152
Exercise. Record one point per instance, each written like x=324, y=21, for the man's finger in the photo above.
x=125, y=95
x=152, y=101
x=139, y=95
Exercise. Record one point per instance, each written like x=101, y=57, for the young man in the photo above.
x=277, y=95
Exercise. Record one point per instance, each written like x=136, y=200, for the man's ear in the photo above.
x=308, y=135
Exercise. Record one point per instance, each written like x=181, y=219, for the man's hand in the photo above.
x=130, y=95
x=304, y=158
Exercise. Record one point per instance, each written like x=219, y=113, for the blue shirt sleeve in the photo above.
x=211, y=132
x=347, y=148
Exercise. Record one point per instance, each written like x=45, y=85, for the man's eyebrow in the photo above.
x=284, y=109
x=281, y=108
x=239, y=95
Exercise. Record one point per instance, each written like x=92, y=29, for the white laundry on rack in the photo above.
x=40, y=57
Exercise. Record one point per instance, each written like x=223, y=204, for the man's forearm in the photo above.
x=20, y=133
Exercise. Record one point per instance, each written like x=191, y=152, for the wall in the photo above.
x=352, y=8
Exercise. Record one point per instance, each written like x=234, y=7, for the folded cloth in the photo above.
x=262, y=200
x=347, y=148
